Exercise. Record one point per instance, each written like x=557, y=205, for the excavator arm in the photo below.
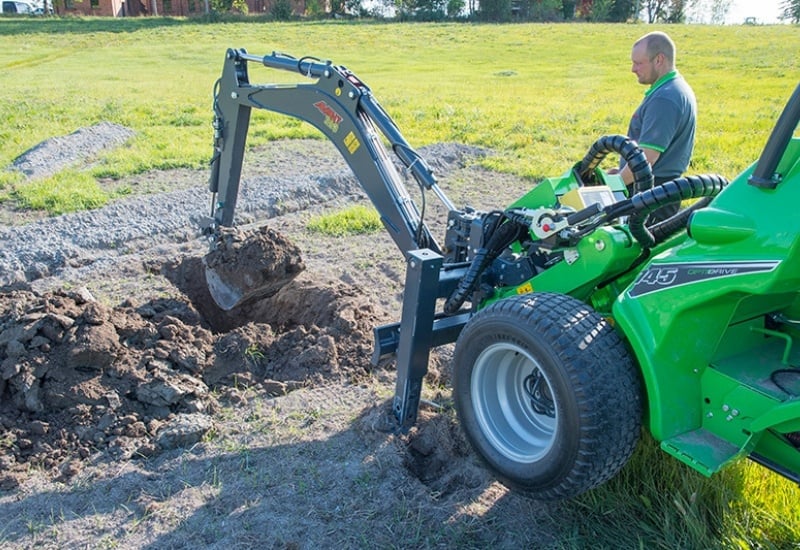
x=341, y=107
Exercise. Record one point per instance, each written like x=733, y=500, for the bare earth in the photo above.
x=134, y=413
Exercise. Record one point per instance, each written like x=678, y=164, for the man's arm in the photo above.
x=627, y=176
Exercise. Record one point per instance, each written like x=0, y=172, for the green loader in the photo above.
x=576, y=322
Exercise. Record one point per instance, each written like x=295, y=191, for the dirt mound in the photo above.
x=78, y=377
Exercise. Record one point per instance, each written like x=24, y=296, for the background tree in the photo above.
x=676, y=12
x=656, y=10
x=719, y=11
x=568, y=9
x=346, y=7
x=537, y=10
x=281, y=10
x=687, y=11
x=790, y=11
x=599, y=11
x=430, y=10
x=238, y=6
x=495, y=10
x=714, y=12
x=545, y=10
x=621, y=11
x=404, y=9
x=455, y=8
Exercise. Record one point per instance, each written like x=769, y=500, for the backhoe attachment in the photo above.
x=342, y=107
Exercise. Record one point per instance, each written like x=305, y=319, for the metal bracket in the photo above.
x=416, y=333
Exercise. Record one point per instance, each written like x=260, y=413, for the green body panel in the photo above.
x=602, y=255
x=547, y=192
x=696, y=319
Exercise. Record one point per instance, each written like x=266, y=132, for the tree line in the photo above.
x=606, y=11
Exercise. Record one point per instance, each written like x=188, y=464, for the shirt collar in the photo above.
x=666, y=78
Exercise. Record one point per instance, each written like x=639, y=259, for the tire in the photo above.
x=585, y=419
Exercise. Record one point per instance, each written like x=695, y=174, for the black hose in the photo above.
x=502, y=237
x=627, y=149
x=673, y=224
x=308, y=59
x=643, y=203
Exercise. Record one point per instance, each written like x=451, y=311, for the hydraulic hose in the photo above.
x=627, y=149
x=673, y=224
x=689, y=187
x=501, y=237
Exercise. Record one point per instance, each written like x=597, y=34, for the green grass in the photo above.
x=353, y=220
x=68, y=191
x=659, y=503
x=540, y=94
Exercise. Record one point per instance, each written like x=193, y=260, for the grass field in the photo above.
x=539, y=94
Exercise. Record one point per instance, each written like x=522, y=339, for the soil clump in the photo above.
x=245, y=265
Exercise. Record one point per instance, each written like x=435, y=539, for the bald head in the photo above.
x=658, y=42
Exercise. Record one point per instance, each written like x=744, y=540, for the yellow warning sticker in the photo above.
x=524, y=289
x=352, y=143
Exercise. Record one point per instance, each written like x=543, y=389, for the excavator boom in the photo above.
x=343, y=108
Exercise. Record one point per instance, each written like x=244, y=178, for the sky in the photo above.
x=765, y=11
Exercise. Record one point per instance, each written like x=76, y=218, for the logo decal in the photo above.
x=660, y=277
x=332, y=118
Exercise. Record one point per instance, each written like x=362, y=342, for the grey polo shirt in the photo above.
x=665, y=122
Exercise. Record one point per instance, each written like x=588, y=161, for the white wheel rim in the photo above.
x=503, y=408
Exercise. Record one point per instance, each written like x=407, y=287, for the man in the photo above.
x=664, y=123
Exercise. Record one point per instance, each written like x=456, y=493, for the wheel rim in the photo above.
x=503, y=407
